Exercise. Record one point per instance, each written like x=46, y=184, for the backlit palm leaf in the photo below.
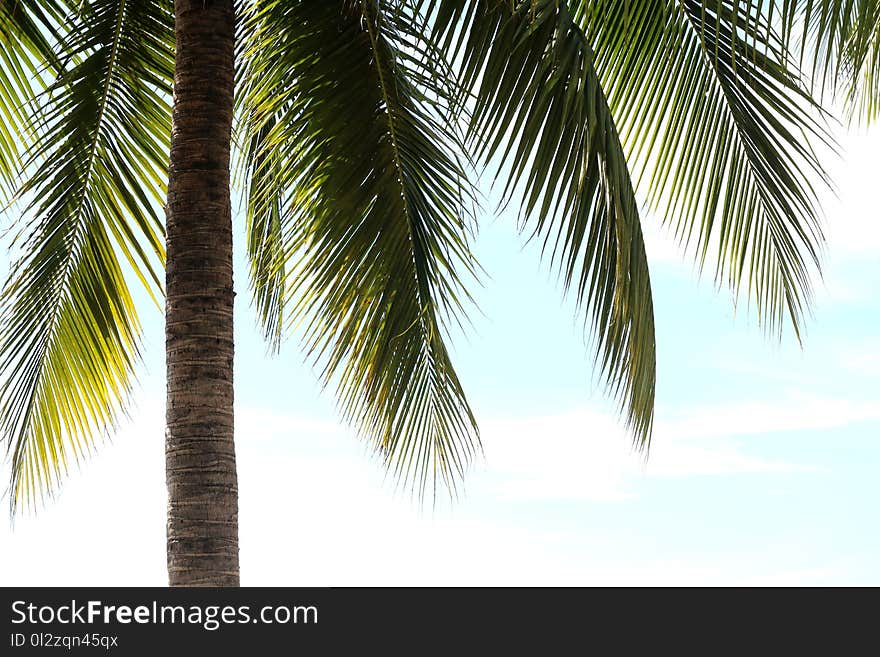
x=720, y=133
x=27, y=59
x=539, y=113
x=354, y=186
x=842, y=43
x=862, y=62
x=68, y=330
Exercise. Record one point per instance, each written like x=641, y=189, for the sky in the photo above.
x=762, y=469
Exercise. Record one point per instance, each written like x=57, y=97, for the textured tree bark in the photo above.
x=202, y=531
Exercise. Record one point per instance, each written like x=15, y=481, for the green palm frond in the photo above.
x=258, y=164
x=27, y=59
x=721, y=135
x=539, y=112
x=68, y=329
x=842, y=42
x=863, y=63
x=353, y=177
x=265, y=239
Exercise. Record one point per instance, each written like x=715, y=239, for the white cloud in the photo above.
x=586, y=454
x=660, y=243
x=839, y=285
x=792, y=413
x=106, y=526
x=860, y=357
x=314, y=510
x=853, y=219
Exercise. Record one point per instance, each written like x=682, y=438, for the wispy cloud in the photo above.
x=794, y=412
x=861, y=357
x=853, y=219
x=585, y=454
x=314, y=511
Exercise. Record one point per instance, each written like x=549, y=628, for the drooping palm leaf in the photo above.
x=862, y=62
x=28, y=59
x=540, y=113
x=720, y=131
x=68, y=329
x=354, y=186
x=841, y=41
x=265, y=240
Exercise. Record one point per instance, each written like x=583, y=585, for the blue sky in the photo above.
x=762, y=470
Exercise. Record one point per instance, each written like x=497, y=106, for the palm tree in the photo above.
x=359, y=126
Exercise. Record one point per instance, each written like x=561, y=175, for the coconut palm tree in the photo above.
x=359, y=127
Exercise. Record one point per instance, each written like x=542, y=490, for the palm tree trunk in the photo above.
x=199, y=448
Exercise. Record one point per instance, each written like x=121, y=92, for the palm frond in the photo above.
x=540, y=113
x=841, y=41
x=862, y=63
x=358, y=219
x=721, y=133
x=68, y=329
x=265, y=239
x=28, y=58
